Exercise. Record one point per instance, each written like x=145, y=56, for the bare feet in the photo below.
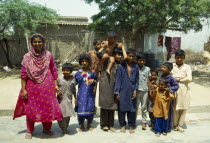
x=180, y=129
x=144, y=126
x=132, y=130
x=123, y=130
x=28, y=136
x=89, y=128
x=66, y=132
x=112, y=129
x=165, y=134
x=176, y=128
x=81, y=129
x=108, y=71
x=105, y=128
x=157, y=135
x=48, y=132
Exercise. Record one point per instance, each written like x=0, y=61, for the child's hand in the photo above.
x=134, y=95
x=167, y=89
x=155, y=86
x=119, y=45
x=118, y=97
x=59, y=93
x=24, y=94
x=90, y=81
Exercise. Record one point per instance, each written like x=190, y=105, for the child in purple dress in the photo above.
x=86, y=80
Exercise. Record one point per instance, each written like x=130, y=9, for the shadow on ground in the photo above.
x=201, y=78
x=15, y=73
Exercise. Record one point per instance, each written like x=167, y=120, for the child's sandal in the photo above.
x=28, y=136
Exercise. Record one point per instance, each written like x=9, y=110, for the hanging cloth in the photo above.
x=176, y=44
x=168, y=47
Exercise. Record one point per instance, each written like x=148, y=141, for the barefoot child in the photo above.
x=142, y=92
x=162, y=98
x=64, y=95
x=152, y=85
x=126, y=85
x=172, y=87
x=183, y=75
x=86, y=80
x=107, y=100
x=109, y=47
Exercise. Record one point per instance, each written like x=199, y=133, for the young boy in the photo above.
x=107, y=101
x=126, y=85
x=95, y=65
x=152, y=85
x=142, y=92
x=109, y=46
x=172, y=87
x=64, y=95
x=162, y=98
x=183, y=75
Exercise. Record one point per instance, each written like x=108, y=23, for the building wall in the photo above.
x=193, y=42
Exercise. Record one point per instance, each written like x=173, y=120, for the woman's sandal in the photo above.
x=28, y=136
x=48, y=132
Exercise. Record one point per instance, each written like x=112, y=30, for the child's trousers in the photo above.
x=161, y=125
x=30, y=125
x=131, y=116
x=142, y=97
x=107, y=118
x=64, y=123
x=179, y=117
x=81, y=119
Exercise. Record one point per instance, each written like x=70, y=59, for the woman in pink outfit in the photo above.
x=37, y=99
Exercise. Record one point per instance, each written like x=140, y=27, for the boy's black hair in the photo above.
x=154, y=70
x=164, y=79
x=96, y=41
x=86, y=57
x=117, y=51
x=168, y=65
x=180, y=52
x=37, y=36
x=131, y=51
x=68, y=66
x=141, y=56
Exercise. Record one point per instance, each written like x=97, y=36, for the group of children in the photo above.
x=125, y=83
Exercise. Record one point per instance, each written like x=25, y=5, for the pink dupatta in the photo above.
x=36, y=64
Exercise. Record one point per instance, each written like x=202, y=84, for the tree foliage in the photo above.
x=18, y=17
x=150, y=16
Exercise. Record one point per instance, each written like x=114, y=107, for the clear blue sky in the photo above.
x=70, y=7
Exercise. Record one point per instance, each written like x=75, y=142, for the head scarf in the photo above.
x=36, y=64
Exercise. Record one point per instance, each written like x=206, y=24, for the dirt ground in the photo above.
x=200, y=87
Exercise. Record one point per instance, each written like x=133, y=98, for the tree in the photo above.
x=149, y=16
x=18, y=18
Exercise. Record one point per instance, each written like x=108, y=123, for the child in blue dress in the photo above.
x=86, y=80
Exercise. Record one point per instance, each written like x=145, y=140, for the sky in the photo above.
x=70, y=7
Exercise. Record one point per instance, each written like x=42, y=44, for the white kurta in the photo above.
x=182, y=96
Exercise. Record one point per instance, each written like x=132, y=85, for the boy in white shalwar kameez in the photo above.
x=183, y=75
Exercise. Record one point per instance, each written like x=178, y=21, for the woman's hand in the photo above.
x=24, y=94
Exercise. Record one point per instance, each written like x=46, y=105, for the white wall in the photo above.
x=192, y=40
